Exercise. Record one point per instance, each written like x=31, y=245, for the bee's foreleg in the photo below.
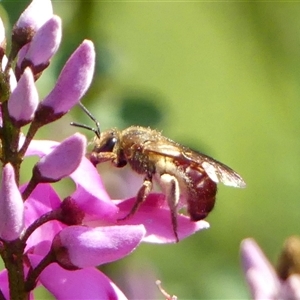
x=97, y=158
x=142, y=194
x=171, y=189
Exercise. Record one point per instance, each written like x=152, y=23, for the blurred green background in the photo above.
x=220, y=77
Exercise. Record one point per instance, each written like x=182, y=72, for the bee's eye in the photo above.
x=109, y=145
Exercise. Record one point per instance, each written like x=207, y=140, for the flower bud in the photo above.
x=62, y=161
x=42, y=47
x=73, y=82
x=33, y=17
x=11, y=206
x=23, y=100
x=82, y=247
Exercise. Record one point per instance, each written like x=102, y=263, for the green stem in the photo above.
x=49, y=216
x=13, y=260
x=33, y=274
x=34, y=126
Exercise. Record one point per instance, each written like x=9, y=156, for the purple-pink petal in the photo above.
x=88, y=247
x=291, y=288
x=39, y=147
x=4, y=283
x=45, y=42
x=88, y=283
x=89, y=189
x=155, y=215
x=90, y=194
x=11, y=206
x=41, y=201
x=35, y=15
x=64, y=159
x=260, y=275
x=24, y=99
x=74, y=79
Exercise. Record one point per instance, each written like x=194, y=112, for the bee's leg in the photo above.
x=171, y=189
x=97, y=158
x=142, y=194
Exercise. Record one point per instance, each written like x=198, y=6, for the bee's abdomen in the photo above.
x=201, y=193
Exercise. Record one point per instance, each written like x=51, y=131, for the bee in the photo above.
x=178, y=170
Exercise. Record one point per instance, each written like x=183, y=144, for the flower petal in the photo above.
x=63, y=160
x=291, y=288
x=155, y=215
x=260, y=275
x=4, y=283
x=42, y=200
x=89, y=190
x=90, y=194
x=88, y=283
x=86, y=247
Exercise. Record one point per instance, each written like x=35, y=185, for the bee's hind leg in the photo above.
x=170, y=185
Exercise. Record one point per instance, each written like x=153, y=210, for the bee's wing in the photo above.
x=217, y=171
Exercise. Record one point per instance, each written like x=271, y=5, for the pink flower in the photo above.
x=57, y=243
x=86, y=246
x=45, y=240
x=261, y=277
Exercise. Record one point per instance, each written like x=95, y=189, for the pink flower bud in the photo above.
x=42, y=47
x=74, y=80
x=35, y=15
x=82, y=247
x=11, y=206
x=23, y=100
x=62, y=161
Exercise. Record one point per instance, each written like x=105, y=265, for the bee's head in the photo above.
x=107, y=141
x=107, y=148
x=104, y=142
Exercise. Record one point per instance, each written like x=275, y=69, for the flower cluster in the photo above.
x=45, y=240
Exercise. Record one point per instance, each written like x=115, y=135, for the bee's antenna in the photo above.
x=95, y=130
